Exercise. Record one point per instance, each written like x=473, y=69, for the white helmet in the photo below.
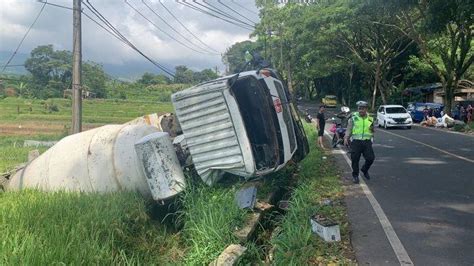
x=345, y=109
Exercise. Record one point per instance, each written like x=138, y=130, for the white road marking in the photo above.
x=427, y=145
x=395, y=242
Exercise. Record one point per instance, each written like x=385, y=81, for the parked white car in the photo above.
x=393, y=116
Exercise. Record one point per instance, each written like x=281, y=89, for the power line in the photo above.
x=190, y=32
x=172, y=28
x=211, y=14
x=221, y=12
x=56, y=5
x=243, y=7
x=24, y=36
x=220, y=2
x=164, y=32
x=120, y=36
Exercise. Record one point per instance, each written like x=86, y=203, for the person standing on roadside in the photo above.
x=361, y=129
x=469, y=111
x=320, y=124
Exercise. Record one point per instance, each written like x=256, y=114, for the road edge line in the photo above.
x=387, y=227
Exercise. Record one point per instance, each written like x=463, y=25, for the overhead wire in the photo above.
x=56, y=5
x=177, y=32
x=186, y=28
x=24, y=37
x=235, y=11
x=184, y=3
x=243, y=7
x=120, y=36
x=164, y=32
x=221, y=12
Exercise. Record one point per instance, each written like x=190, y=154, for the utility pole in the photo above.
x=76, y=69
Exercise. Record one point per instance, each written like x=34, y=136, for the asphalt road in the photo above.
x=423, y=180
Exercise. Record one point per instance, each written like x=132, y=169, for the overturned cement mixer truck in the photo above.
x=244, y=124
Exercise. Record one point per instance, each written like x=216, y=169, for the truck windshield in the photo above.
x=258, y=113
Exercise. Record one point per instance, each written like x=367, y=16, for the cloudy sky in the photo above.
x=55, y=27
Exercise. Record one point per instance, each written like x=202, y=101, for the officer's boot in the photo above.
x=355, y=179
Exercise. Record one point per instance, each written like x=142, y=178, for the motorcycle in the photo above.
x=337, y=129
x=338, y=132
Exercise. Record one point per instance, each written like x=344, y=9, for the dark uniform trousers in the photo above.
x=363, y=147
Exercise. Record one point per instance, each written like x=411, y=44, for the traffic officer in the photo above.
x=361, y=129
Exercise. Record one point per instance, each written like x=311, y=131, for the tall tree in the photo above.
x=443, y=30
x=374, y=45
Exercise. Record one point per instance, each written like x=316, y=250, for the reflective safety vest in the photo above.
x=361, y=127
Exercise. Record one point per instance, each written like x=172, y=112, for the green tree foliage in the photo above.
x=184, y=75
x=364, y=49
x=443, y=31
x=51, y=73
x=152, y=79
x=234, y=57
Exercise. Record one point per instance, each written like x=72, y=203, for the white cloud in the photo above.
x=55, y=27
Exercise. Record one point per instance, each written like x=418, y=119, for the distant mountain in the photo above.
x=126, y=72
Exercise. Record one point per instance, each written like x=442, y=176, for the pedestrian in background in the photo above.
x=462, y=114
x=469, y=111
x=320, y=124
x=361, y=130
x=426, y=113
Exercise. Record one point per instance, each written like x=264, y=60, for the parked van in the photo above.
x=241, y=124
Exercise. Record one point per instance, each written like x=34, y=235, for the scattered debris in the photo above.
x=230, y=256
x=246, y=197
x=33, y=155
x=325, y=228
x=326, y=202
x=284, y=205
x=263, y=206
x=37, y=143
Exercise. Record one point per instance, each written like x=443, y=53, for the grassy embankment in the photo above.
x=39, y=228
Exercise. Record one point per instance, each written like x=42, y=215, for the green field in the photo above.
x=102, y=111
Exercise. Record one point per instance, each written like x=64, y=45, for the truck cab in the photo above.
x=241, y=124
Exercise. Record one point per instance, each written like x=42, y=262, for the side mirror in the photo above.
x=382, y=112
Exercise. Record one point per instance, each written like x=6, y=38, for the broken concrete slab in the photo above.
x=247, y=230
x=230, y=256
x=37, y=143
x=246, y=197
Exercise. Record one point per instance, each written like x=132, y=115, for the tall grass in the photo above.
x=296, y=244
x=210, y=217
x=71, y=228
